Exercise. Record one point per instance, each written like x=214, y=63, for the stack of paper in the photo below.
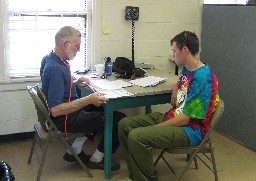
x=111, y=89
x=148, y=81
x=115, y=93
x=109, y=85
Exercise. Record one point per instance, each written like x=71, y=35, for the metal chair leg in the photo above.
x=213, y=162
x=43, y=157
x=192, y=157
x=32, y=150
x=196, y=163
x=159, y=157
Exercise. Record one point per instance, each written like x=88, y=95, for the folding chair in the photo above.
x=45, y=130
x=206, y=146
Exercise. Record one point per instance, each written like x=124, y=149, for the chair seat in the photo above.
x=188, y=150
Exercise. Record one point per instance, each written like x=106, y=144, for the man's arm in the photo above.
x=70, y=107
x=180, y=120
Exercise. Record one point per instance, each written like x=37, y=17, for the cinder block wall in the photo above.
x=158, y=22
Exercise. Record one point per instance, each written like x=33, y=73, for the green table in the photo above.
x=160, y=94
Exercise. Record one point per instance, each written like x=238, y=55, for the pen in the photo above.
x=94, y=90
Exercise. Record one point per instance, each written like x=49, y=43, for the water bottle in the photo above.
x=108, y=66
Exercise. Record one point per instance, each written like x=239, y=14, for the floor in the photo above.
x=234, y=163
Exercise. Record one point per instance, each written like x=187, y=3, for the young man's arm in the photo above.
x=180, y=120
x=174, y=95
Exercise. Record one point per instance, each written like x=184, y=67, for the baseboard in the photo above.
x=10, y=138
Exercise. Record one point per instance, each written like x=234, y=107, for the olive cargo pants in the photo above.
x=138, y=136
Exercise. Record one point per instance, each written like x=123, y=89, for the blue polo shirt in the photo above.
x=55, y=76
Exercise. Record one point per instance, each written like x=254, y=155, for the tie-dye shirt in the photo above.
x=197, y=97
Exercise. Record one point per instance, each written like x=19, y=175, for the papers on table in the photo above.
x=148, y=81
x=122, y=83
x=88, y=75
x=115, y=93
x=111, y=89
x=109, y=85
x=114, y=89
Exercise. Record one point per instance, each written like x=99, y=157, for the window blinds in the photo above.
x=32, y=25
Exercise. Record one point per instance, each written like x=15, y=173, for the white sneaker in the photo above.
x=126, y=179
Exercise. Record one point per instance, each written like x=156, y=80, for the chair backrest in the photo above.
x=42, y=97
x=217, y=114
x=41, y=106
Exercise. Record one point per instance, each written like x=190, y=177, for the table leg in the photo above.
x=148, y=109
x=108, y=125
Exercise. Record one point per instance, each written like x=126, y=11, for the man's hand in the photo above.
x=81, y=82
x=97, y=99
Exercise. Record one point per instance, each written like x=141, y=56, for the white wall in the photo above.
x=158, y=22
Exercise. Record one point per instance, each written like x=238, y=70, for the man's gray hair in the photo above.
x=66, y=32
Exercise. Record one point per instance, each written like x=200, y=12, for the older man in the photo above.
x=70, y=113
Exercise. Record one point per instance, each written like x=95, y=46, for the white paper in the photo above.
x=115, y=93
x=148, y=81
x=109, y=85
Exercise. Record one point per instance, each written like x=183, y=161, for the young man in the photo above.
x=193, y=99
x=69, y=113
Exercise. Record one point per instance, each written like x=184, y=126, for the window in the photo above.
x=31, y=27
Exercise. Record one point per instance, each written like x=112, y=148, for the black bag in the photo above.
x=123, y=65
x=126, y=68
x=5, y=172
